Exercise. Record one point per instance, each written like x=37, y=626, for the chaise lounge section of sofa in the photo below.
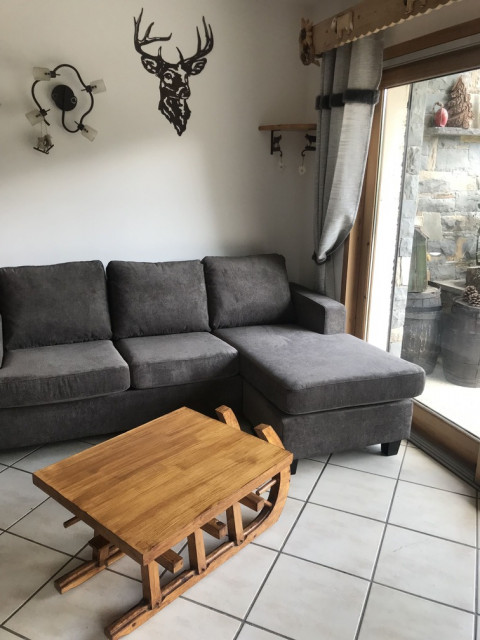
x=322, y=389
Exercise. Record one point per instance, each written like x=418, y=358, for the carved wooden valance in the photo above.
x=360, y=20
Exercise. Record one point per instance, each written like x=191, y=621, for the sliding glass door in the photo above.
x=426, y=241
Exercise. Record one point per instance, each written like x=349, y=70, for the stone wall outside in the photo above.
x=441, y=192
x=448, y=208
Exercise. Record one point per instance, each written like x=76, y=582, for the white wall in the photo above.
x=140, y=191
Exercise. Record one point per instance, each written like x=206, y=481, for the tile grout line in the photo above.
x=430, y=486
x=372, y=577
x=14, y=468
x=421, y=484
x=370, y=580
x=72, y=556
x=326, y=566
x=269, y=631
x=233, y=617
x=431, y=535
x=14, y=633
x=25, y=515
x=387, y=523
x=279, y=553
x=44, y=584
x=23, y=457
x=416, y=595
x=354, y=575
x=399, y=526
x=36, y=450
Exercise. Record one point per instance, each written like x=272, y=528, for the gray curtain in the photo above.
x=349, y=91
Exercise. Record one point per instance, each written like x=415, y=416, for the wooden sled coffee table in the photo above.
x=149, y=488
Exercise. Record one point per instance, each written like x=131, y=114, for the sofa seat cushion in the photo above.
x=157, y=298
x=247, y=290
x=300, y=371
x=59, y=373
x=159, y=361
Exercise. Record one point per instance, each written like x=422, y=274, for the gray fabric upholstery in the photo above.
x=54, y=304
x=304, y=372
x=27, y=426
x=340, y=392
x=247, y=291
x=59, y=373
x=1, y=342
x=316, y=312
x=159, y=361
x=330, y=431
x=156, y=298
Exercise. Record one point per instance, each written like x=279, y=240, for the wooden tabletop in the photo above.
x=150, y=487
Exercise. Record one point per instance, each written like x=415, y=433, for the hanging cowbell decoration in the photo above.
x=441, y=115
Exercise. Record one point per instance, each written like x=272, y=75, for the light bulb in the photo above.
x=34, y=117
x=89, y=132
x=42, y=73
x=97, y=86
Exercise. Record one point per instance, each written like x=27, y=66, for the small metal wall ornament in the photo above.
x=310, y=146
x=173, y=76
x=44, y=143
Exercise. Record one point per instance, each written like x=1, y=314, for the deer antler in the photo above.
x=202, y=51
x=141, y=42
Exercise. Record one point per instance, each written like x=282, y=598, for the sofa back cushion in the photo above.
x=247, y=291
x=1, y=342
x=54, y=304
x=156, y=298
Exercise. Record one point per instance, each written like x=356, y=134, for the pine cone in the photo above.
x=471, y=296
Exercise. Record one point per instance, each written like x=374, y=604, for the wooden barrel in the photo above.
x=461, y=345
x=422, y=328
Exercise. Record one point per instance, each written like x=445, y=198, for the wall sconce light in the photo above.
x=65, y=99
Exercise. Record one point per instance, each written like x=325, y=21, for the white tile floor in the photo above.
x=367, y=548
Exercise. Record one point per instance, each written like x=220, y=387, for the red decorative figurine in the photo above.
x=441, y=115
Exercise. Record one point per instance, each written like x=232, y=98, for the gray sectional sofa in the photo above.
x=87, y=351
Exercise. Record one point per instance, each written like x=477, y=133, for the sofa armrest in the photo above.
x=1, y=342
x=317, y=312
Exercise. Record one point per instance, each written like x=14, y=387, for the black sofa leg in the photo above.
x=293, y=467
x=390, y=448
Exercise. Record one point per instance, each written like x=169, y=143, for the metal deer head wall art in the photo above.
x=173, y=76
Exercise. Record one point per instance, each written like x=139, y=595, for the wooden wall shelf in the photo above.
x=287, y=127
x=275, y=139
x=454, y=131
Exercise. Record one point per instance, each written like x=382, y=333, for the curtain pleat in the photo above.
x=349, y=90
